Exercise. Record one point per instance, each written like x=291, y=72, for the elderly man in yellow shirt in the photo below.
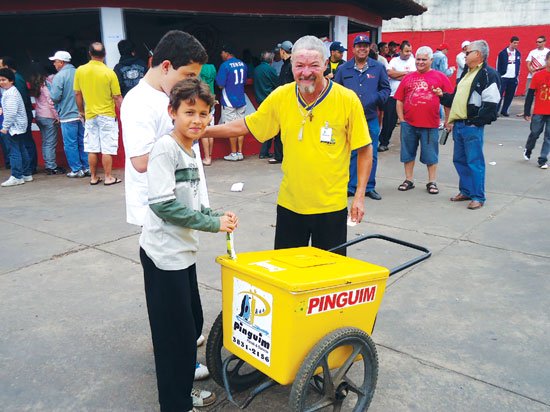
x=320, y=123
x=96, y=86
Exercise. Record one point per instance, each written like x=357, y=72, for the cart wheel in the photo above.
x=241, y=375
x=348, y=388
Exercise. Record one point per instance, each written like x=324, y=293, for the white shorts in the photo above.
x=101, y=135
x=232, y=113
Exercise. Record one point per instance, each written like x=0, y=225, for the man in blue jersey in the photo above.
x=231, y=78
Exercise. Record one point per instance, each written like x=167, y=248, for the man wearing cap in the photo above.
x=508, y=65
x=440, y=61
x=369, y=80
x=285, y=76
x=277, y=61
x=72, y=128
x=461, y=59
x=231, y=78
x=335, y=60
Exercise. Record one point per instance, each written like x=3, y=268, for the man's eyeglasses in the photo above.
x=471, y=51
x=540, y=41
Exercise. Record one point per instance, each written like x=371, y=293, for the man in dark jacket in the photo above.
x=335, y=60
x=473, y=104
x=265, y=81
x=286, y=76
x=508, y=64
x=130, y=69
x=369, y=80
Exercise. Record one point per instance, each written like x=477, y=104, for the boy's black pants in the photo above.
x=175, y=317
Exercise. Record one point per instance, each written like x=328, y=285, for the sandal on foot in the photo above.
x=406, y=185
x=432, y=188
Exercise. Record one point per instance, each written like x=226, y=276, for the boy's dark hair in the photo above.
x=126, y=47
x=381, y=44
x=514, y=38
x=9, y=62
x=8, y=74
x=97, y=49
x=404, y=44
x=540, y=37
x=180, y=49
x=189, y=90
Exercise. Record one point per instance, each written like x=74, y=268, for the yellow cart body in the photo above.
x=278, y=304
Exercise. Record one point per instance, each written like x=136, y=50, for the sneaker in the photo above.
x=382, y=148
x=232, y=157
x=27, y=178
x=13, y=181
x=544, y=166
x=201, y=372
x=57, y=171
x=240, y=156
x=201, y=340
x=87, y=172
x=526, y=154
x=202, y=398
x=72, y=174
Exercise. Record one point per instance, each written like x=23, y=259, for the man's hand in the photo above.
x=358, y=208
x=437, y=91
x=233, y=217
x=527, y=118
x=4, y=131
x=448, y=126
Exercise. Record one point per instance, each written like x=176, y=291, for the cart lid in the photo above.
x=304, y=269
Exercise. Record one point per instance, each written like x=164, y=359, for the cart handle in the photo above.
x=396, y=269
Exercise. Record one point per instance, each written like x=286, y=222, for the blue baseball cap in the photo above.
x=362, y=38
x=336, y=45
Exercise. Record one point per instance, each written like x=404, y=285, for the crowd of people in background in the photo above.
x=59, y=104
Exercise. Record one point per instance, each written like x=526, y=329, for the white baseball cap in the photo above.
x=465, y=43
x=61, y=55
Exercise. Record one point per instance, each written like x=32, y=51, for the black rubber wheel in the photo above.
x=348, y=388
x=241, y=375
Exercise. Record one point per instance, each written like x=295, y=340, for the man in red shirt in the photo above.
x=418, y=111
x=540, y=91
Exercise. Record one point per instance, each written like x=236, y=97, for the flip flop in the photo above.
x=114, y=182
x=99, y=179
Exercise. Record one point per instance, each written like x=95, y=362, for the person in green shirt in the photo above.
x=208, y=75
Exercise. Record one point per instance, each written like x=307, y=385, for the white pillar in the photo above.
x=340, y=29
x=113, y=30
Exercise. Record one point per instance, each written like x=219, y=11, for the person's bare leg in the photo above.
x=432, y=172
x=233, y=144
x=207, y=143
x=92, y=160
x=107, y=161
x=240, y=141
x=409, y=170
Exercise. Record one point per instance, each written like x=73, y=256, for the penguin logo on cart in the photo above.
x=253, y=305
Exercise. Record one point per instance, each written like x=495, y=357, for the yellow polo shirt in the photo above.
x=98, y=84
x=459, y=108
x=315, y=173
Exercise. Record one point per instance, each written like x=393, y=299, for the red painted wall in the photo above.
x=497, y=37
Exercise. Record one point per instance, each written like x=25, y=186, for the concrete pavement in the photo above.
x=469, y=329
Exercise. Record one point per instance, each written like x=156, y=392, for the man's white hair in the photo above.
x=425, y=50
x=309, y=43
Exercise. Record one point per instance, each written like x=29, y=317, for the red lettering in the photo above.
x=342, y=299
x=330, y=302
x=313, y=303
x=369, y=293
x=353, y=299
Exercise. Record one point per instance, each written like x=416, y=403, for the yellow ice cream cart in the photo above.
x=301, y=316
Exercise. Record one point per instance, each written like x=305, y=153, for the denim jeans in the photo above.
x=19, y=158
x=538, y=123
x=374, y=131
x=5, y=151
x=264, y=150
x=507, y=91
x=48, y=129
x=30, y=146
x=73, y=140
x=469, y=161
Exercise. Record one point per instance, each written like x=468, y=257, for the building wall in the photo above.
x=497, y=37
x=465, y=14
